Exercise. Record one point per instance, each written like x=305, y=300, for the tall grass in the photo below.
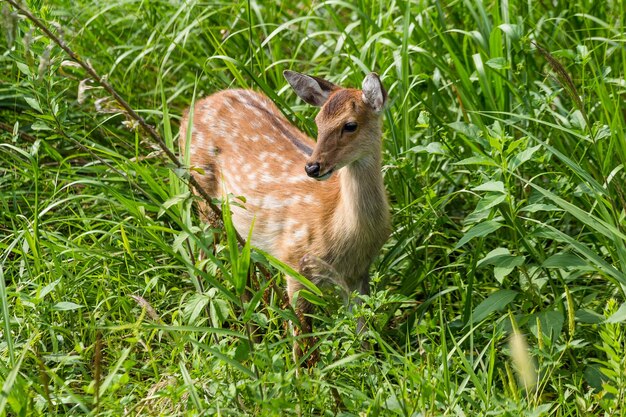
x=504, y=156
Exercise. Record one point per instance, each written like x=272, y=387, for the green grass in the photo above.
x=504, y=152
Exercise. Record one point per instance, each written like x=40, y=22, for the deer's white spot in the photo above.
x=264, y=156
x=197, y=135
x=300, y=233
x=213, y=151
x=296, y=179
x=271, y=202
x=228, y=103
x=308, y=199
x=294, y=199
x=267, y=177
x=222, y=130
x=208, y=115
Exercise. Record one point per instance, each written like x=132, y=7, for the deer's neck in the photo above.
x=362, y=211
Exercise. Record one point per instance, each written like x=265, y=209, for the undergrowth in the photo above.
x=500, y=292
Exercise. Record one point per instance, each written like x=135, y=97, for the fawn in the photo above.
x=319, y=207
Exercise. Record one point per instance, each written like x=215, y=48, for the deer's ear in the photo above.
x=313, y=90
x=374, y=94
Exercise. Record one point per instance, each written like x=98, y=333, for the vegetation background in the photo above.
x=504, y=152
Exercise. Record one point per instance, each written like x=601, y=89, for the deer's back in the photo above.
x=244, y=146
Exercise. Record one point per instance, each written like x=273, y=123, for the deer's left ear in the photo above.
x=311, y=89
x=374, y=94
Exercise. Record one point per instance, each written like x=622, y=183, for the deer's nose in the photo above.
x=312, y=169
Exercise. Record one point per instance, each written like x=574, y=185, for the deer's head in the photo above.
x=348, y=124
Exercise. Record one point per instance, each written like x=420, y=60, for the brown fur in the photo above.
x=246, y=147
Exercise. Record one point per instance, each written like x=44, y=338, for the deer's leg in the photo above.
x=363, y=287
x=319, y=272
x=302, y=308
x=209, y=183
x=214, y=221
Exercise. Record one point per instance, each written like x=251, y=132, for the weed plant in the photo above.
x=501, y=291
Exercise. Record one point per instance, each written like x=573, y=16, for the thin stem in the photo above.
x=127, y=108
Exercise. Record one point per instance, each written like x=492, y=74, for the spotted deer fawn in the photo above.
x=320, y=207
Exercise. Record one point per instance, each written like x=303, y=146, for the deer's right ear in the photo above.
x=313, y=90
x=374, y=93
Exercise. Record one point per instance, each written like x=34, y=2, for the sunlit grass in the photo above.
x=504, y=153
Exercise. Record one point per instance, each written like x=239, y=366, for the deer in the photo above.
x=318, y=206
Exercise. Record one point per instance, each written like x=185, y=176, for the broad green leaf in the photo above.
x=498, y=63
x=489, y=201
x=587, y=316
x=514, y=32
x=495, y=186
x=496, y=301
x=173, y=201
x=501, y=272
x=578, y=120
x=432, y=148
x=469, y=130
x=594, y=377
x=66, y=306
x=497, y=252
x=40, y=125
x=33, y=104
x=522, y=157
x=551, y=323
x=46, y=290
x=423, y=119
x=504, y=263
x=533, y=208
x=479, y=230
x=483, y=78
x=619, y=316
x=125, y=241
x=477, y=160
x=194, y=307
x=23, y=68
x=242, y=352
x=312, y=298
x=564, y=260
x=219, y=311
x=180, y=239
x=542, y=409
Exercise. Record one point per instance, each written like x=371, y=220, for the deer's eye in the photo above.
x=350, y=127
